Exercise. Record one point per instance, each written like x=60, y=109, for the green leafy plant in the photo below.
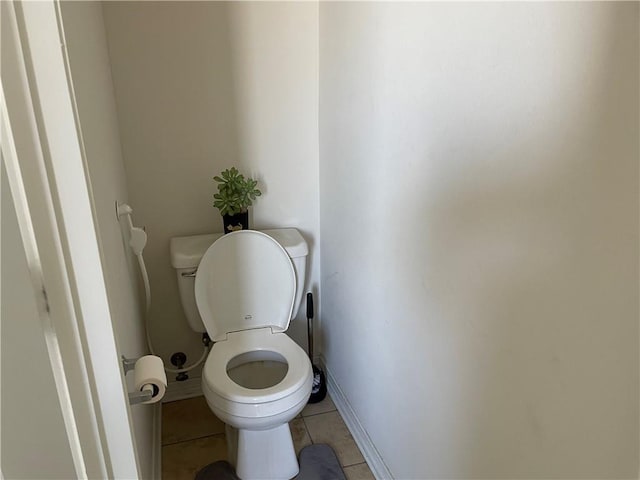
x=235, y=193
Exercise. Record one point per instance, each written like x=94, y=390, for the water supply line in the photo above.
x=137, y=242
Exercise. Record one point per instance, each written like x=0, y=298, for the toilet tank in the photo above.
x=186, y=253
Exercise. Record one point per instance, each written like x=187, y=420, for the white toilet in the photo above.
x=255, y=379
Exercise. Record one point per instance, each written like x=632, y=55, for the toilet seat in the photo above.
x=235, y=399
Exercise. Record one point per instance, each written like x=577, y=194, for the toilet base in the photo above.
x=262, y=454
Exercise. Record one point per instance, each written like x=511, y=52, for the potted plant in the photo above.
x=235, y=195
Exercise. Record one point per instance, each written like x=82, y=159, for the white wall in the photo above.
x=91, y=75
x=200, y=87
x=479, y=224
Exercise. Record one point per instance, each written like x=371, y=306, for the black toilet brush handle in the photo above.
x=310, y=324
x=310, y=305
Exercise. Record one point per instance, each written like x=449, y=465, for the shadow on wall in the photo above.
x=173, y=78
x=532, y=273
x=200, y=87
x=274, y=66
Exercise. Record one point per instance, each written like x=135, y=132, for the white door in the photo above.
x=63, y=404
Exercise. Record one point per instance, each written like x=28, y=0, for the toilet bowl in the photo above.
x=260, y=446
x=236, y=402
x=255, y=379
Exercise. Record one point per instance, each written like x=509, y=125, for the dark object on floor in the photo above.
x=319, y=386
x=220, y=470
x=319, y=462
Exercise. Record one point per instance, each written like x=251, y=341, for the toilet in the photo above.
x=243, y=291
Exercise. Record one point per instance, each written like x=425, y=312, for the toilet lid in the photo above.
x=245, y=280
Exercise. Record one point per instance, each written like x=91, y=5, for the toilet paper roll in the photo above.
x=149, y=375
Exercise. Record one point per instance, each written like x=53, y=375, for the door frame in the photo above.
x=47, y=173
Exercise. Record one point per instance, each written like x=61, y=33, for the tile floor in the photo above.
x=193, y=437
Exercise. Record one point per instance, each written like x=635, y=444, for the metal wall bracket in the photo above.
x=140, y=397
x=128, y=364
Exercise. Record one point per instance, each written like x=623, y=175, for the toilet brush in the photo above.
x=319, y=388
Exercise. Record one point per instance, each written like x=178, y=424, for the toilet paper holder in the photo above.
x=128, y=365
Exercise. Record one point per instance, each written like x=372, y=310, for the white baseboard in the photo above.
x=156, y=455
x=360, y=435
x=182, y=390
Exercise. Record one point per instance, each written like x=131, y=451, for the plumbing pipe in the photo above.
x=137, y=242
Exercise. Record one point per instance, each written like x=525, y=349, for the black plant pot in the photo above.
x=239, y=221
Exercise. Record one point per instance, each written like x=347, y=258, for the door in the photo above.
x=63, y=405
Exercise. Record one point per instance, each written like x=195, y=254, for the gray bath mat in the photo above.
x=317, y=462
x=220, y=470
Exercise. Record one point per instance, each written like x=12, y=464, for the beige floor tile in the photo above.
x=181, y=461
x=330, y=428
x=358, y=472
x=326, y=405
x=188, y=419
x=299, y=434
